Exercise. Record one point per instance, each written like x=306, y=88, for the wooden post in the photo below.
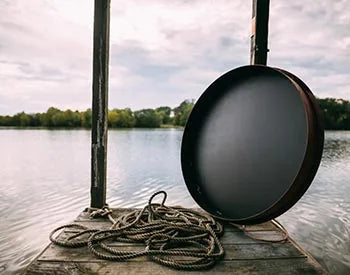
x=260, y=27
x=100, y=103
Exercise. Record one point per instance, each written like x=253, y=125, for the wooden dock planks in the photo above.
x=243, y=255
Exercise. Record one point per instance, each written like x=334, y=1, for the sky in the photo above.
x=162, y=52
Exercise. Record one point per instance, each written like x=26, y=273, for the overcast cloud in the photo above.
x=162, y=52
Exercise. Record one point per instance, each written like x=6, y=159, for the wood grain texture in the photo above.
x=294, y=266
x=100, y=103
x=259, y=36
x=243, y=255
x=232, y=252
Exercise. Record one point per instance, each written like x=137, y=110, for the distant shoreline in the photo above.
x=161, y=117
x=335, y=113
x=117, y=129
x=84, y=128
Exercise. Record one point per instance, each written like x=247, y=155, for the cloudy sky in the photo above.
x=162, y=52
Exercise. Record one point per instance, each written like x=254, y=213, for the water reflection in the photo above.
x=320, y=221
x=45, y=178
x=142, y=161
x=336, y=148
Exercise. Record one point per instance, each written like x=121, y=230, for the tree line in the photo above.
x=117, y=118
x=336, y=115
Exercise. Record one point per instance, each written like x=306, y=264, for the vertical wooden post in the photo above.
x=100, y=103
x=260, y=27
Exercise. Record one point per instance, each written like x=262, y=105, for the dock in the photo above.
x=243, y=254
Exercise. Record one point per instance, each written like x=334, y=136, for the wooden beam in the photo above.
x=260, y=27
x=100, y=103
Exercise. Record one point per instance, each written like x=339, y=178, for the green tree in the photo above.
x=182, y=112
x=86, y=118
x=24, y=120
x=112, y=118
x=123, y=118
x=6, y=121
x=58, y=120
x=71, y=119
x=21, y=120
x=336, y=113
x=46, y=118
x=126, y=118
x=147, y=118
x=34, y=120
x=164, y=112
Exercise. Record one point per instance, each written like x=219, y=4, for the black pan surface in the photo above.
x=252, y=144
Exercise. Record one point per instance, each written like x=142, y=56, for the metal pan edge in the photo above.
x=308, y=167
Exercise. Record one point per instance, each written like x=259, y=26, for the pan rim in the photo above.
x=315, y=138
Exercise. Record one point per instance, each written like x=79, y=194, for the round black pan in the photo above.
x=252, y=144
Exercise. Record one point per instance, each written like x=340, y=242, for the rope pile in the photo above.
x=176, y=237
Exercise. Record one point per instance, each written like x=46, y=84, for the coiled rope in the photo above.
x=176, y=237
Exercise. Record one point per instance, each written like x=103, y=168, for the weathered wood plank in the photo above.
x=232, y=252
x=275, y=266
x=242, y=255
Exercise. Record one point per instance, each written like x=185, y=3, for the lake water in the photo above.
x=45, y=181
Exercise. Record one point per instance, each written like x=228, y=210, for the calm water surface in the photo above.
x=45, y=178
